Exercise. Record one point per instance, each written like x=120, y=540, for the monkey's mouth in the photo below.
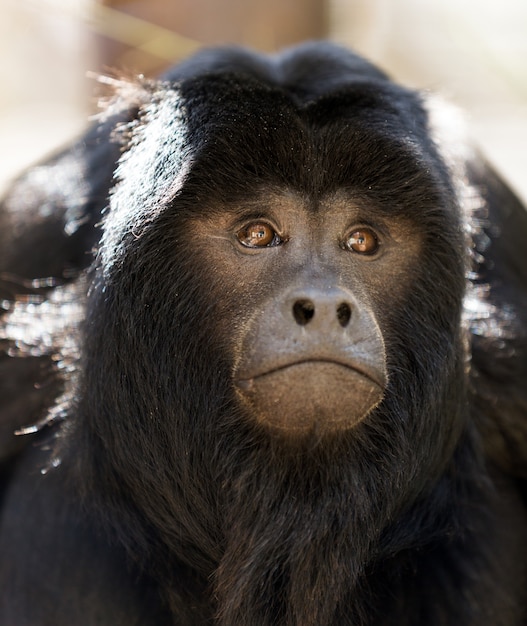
x=312, y=395
x=375, y=377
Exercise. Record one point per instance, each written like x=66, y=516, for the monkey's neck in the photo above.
x=301, y=546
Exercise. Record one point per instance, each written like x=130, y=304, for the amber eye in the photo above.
x=362, y=241
x=257, y=235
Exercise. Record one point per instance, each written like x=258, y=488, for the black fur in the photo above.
x=147, y=493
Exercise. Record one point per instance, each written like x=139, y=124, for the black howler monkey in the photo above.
x=263, y=339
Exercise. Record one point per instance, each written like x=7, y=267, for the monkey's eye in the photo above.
x=258, y=235
x=362, y=241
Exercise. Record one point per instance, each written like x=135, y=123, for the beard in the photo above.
x=304, y=521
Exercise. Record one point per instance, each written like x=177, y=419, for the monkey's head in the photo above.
x=284, y=241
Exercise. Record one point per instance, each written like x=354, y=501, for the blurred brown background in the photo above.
x=473, y=52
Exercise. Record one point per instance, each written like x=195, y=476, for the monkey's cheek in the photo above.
x=309, y=398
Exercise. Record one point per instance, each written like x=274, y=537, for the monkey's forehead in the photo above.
x=223, y=135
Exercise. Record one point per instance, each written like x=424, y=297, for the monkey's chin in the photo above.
x=313, y=397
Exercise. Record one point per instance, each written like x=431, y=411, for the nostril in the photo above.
x=343, y=314
x=303, y=311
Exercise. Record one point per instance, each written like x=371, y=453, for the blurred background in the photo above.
x=473, y=52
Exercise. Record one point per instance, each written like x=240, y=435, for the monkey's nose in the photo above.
x=322, y=308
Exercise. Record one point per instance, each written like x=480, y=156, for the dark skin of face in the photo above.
x=308, y=281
